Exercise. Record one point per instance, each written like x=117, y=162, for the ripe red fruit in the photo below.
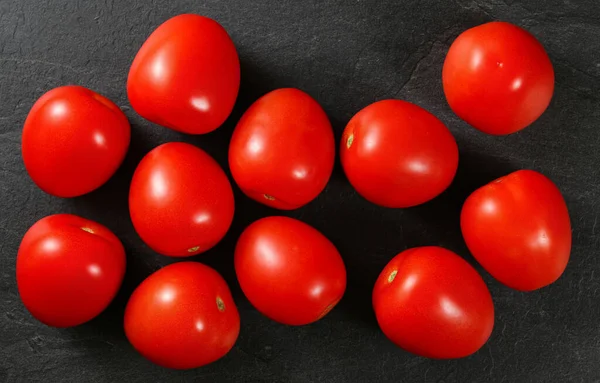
x=68, y=269
x=289, y=271
x=186, y=76
x=431, y=302
x=282, y=150
x=518, y=228
x=498, y=78
x=182, y=316
x=73, y=141
x=397, y=154
x=180, y=200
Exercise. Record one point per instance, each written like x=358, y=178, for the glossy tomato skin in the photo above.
x=68, y=269
x=73, y=141
x=431, y=302
x=186, y=75
x=282, y=150
x=397, y=154
x=180, y=200
x=182, y=316
x=289, y=271
x=498, y=78
x=518, y=229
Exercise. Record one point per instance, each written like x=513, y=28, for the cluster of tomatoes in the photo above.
x=186, y=76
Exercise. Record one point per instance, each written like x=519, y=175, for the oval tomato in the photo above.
x=289, y=271
x=73, y=141
x=396, y=154
x=182, y=316
x=282, y=150
x=518, y=229
x=68, y=269
x=186, y=76
x=431, y=302
x=180, y=201
x=498, y=78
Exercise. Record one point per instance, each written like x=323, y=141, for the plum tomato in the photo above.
x=431, y=302
x=182, y=316
x=498, y=78
x=518, y=229
x=186, y=76
x=68, y=269
x=180, y=200
x=397, y=154
x=73, y=141
x=282, y=150
x=288, y=270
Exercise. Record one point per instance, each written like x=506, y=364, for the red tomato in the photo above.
x=180, y=201
x=431, y=302
x=186, y=76
x=73, y=141
x=498, y=78
x=518, y=228
x=182, y=316
x=397, y=154
x=68, y=269
x=282, y=150
x=289, y=271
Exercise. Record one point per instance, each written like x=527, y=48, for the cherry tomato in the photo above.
x=396, y=154
x=182, y=316
x=186, y=76
x=498, y=78
x=282, y=150
x=431, y=302
x=180, y=201
x=289, y=271
x=73, y=141
x=68, y=269
x=518, y=229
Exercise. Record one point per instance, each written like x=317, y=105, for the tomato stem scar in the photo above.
x=87, y=229
x=220, y=304
x=104, y=101
x=349, y=141
x=269, y=197
x=328, y=308
x=392, y=276
x=193, y=249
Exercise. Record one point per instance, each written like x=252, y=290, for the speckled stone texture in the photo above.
x=346, y=54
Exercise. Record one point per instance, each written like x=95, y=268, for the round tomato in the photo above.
x=282, y=150
x=180, y=201
x=289, y=271
x=498, y=78
x=182, y=316
x=518, y=229
x=73, y=141
x=397, y=154
x=68, y=269
x=431, y=302
x=186, y=76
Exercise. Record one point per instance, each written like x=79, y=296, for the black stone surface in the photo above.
x=346, y=54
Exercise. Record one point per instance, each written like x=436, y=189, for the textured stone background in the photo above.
x=346, y=54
